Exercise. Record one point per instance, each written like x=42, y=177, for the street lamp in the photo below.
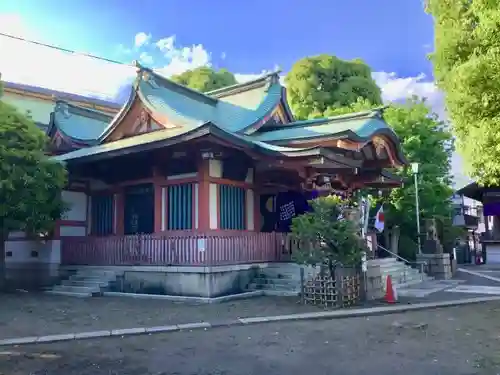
x=414, y=170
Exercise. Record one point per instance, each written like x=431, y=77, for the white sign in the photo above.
x=364, y=265
x=202, y=244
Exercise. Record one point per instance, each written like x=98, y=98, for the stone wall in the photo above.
x=438, y=265
x=374, y=282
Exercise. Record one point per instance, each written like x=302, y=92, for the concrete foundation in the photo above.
x=31, y=265
x=438, y=265
x=207, y=282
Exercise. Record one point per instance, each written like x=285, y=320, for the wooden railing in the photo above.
x=176, y=249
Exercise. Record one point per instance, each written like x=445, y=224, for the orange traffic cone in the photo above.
x=389, y=291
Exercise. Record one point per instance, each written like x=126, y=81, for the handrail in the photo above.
x=395, y=255
x=423, y=264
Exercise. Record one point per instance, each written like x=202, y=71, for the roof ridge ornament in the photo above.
x=63, y=107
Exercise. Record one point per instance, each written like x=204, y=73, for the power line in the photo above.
x=63, y=49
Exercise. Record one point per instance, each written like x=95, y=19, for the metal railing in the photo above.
x=420, y=265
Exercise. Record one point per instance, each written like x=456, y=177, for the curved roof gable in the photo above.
x=262, y=95
x=359, y=127
x=182, y=106
x=79, y=124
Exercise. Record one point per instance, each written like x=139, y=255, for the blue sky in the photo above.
x=390, y=35
x=247, y=37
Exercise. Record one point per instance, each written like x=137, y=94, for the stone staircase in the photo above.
x=85, y=283
x=284, y=278
x=402, y=275
x=281, y=279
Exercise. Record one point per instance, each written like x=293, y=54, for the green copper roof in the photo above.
x=168, y=137
x=176, y=104
x=78, y=123
x=249, y=94
x=225, y=112
x=186, y=107
x=358, y=126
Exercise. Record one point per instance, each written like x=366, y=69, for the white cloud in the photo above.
x=77, y=73
x=166, y=44
x=142, y=39
x=181, y=59
x=395, y=88
x=36, y=65
x=146, y=58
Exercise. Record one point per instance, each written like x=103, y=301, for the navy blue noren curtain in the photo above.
x=102, y=215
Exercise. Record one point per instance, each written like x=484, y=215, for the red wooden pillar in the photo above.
x=158, y=200
x=203, y=196
x=256, y=209
x=158, y=206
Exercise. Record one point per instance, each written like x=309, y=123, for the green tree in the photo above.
x=30, y=182
x=324, y=239
x=467, y=68
x=425, y=140
x=205, y=79
x=320, y=84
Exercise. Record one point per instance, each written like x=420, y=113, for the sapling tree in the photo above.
x=326, y=237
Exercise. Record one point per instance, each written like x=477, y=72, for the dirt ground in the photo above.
x=28, y=314
x=452, y=341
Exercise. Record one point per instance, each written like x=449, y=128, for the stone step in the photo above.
x=403, y=280
x=276, y=275
x=92, y=277
x=255, y=286
x=280, y=282
x=87, y=283
x=282, y=274
x=69, y=294
x=399, y=275
x=94, y=273
x=76, y=289
x=382, y=261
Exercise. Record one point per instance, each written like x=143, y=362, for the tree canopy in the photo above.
x=205, y=79
x=30, y=183
x=320, y=84
x=426, y=140
x=467, y=68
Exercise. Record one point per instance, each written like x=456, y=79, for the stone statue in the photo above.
x=432, y=245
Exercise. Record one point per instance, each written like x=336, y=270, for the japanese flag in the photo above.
x=379, y=219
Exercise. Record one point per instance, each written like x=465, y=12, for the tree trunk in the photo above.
x=395, y=239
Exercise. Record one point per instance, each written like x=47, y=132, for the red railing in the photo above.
x=188, y=249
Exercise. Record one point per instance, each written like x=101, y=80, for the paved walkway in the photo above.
x=469, y=280
x=451, y=341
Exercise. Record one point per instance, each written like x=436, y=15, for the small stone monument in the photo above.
x=437, y=262
x=432, y=245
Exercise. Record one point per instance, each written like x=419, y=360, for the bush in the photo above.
x=325, y=237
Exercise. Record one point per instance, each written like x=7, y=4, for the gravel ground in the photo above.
x=32, y=314
x=29, y=314
x=452, y=341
